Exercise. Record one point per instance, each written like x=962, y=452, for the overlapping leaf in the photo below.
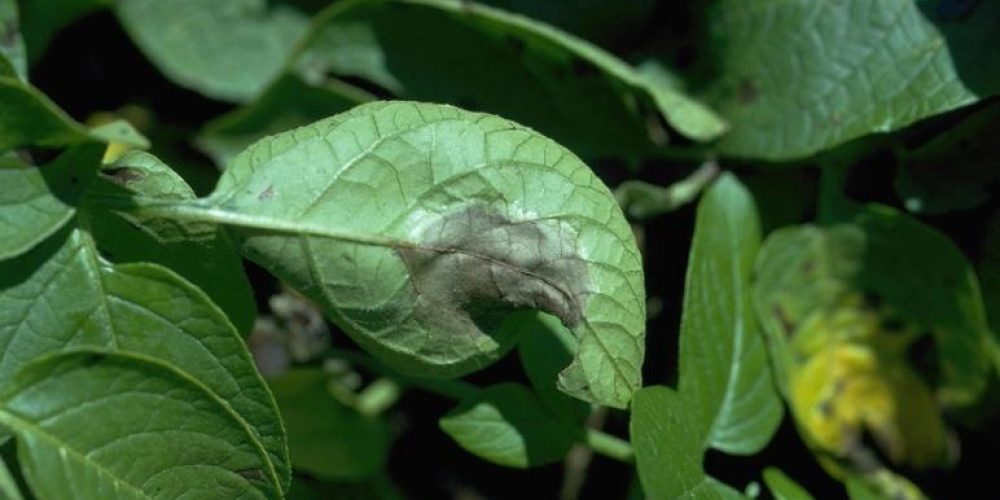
x=506, y=424
x=13, y=60
x=726, y=398
x=225, y=50
x=63, y=295
x=418, y=227
x=203, y=255
x=326, y=438
x=487, y=59
x=93, y=424
x=797, y=77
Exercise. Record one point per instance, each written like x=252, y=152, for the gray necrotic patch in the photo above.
x=474, y=266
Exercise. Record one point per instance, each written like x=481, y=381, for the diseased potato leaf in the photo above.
x=418, y=227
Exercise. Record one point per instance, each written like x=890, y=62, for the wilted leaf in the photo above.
x=93, y=424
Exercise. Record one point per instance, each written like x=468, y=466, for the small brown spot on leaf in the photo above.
x=9, y=33
x=123, y=176
x=786, y=322
x=266, y=194
x=252, y=474
x=747, y=91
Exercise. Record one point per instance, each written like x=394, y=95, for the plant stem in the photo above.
x=610, y=446
x=603, y=443
x=378, y=396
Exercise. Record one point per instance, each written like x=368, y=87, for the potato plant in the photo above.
x=310, y=245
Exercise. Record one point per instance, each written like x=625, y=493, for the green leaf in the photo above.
x=379, y=212
x=27, y=117
x=224, y=50
x=63, y=295
x=13, y=61
x=783, y=487
x=603, y=23
x=8, y=486
x=209, y=261
x=287, y=103
x=723, y=359
x=507, y=425
x=162, y=433
x=726, y=398
x=475, y=53
x=545, y=346
x=36, y=202
x=668, y=447
x=327, y=439
x=797, y=77
x=121, y=132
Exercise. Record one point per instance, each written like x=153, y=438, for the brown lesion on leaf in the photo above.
x=746, y=91
x=474, y=266
x=9, y=32
x=123, y=176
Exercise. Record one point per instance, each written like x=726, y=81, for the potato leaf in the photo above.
x=93, y=424
x=418, y=227
x=797, y=77
x=726, y=397
x=474, y=55
x=62, y=295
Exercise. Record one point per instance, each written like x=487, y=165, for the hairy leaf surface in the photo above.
x=150, y=432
